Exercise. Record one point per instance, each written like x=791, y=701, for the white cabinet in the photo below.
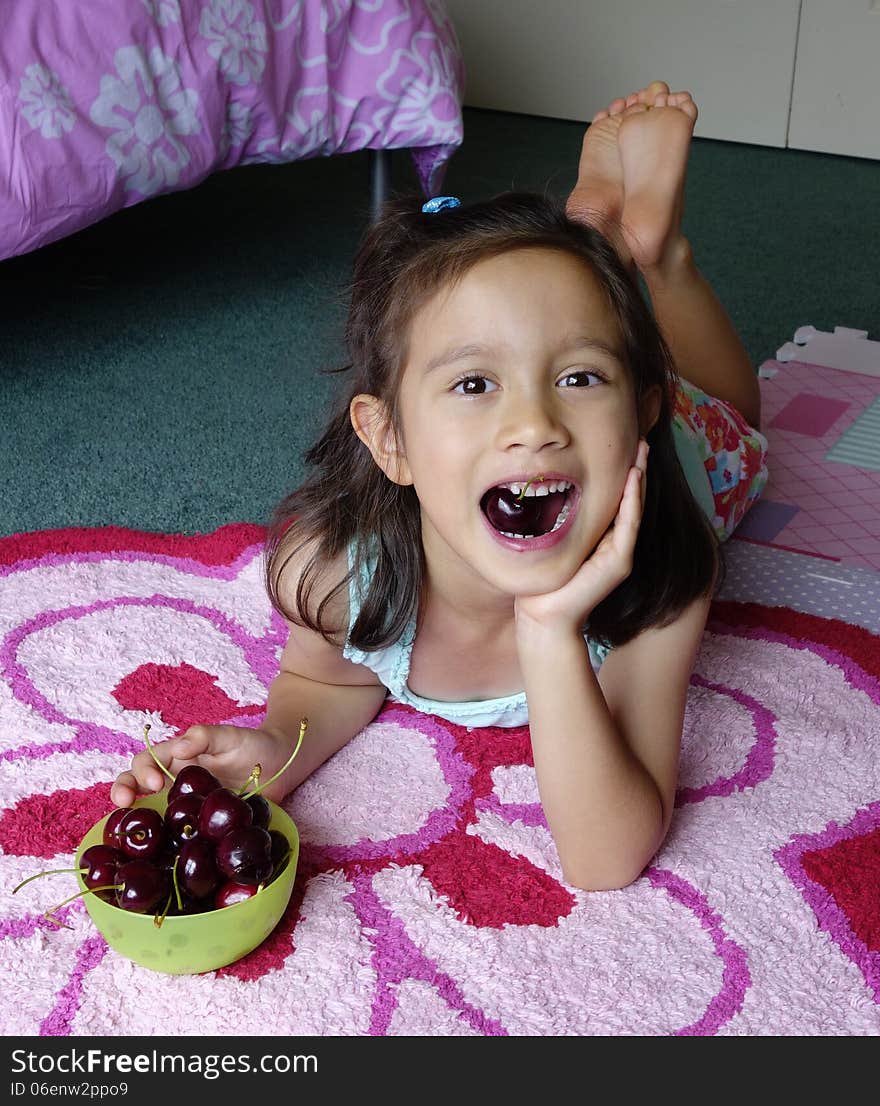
x=803, y=73
x=835, y=103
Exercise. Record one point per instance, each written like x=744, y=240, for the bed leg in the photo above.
x=380, y=178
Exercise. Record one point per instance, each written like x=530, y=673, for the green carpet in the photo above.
x=160, y=370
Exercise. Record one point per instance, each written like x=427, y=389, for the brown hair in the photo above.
x=403, y=259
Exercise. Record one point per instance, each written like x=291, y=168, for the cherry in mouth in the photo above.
x=522, y=515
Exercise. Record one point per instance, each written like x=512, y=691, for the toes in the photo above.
x=684, y=102
x=598, y=116
x=655, y=88
x=656, y=95
x=635, y=109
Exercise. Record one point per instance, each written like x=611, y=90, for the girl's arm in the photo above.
x=337, y=708
x=606, y=749
x=339, y=698
x=314, y=681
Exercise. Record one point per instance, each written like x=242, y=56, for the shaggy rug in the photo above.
x=428, y=898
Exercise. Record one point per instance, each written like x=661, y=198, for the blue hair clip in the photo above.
x=439, y=203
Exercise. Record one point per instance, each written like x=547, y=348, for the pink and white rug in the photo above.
x=429, y=898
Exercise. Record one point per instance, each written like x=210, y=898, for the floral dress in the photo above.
x=732, y=455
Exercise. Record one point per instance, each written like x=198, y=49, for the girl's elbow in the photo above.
x=609, y=877
x=607, y=882
x=613, y=873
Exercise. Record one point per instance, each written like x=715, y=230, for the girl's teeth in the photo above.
x=563, y=515
x=538, y=489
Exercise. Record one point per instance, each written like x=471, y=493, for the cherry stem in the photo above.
x=152, y=753
x=522, y=494
x=88, y=891
x=254, y=777
x=158, y=919
x=53, y=872
x=175, y=883
x=302, y=732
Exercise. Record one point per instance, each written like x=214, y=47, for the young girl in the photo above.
x=486, y=535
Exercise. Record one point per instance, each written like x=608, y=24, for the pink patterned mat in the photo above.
x=429, y=898
x=814, y=503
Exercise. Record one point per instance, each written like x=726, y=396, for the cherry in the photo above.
x=221, y=812
x=261, y=810
x=182, y=816
x=142, y=886
x=228, y=894
x=197, y=872
x=245, y=855
x=111, y=826
x=166, y=858
x=141, y=832
x=280, y=848
x=100, y=863
x=171, y=864
x=522, y=515
x=190, y=905
x=193, y=779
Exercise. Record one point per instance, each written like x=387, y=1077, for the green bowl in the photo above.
x=187, y=944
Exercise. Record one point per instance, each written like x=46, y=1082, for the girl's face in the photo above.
x=514, y=373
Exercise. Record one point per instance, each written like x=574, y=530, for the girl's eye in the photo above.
x=581, y=374
x=464, y=383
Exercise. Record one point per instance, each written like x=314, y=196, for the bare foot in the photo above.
x=631, y=174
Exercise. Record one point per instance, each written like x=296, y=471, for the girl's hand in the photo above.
x=229, y=752
x=568, y=607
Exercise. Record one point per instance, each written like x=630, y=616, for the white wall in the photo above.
x=569, y=58
x=836, y=98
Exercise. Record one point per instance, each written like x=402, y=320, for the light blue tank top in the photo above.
x=391, y=665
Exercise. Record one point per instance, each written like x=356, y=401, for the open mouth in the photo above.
x=528, y=511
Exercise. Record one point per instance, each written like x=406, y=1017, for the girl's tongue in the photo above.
x=526, y=516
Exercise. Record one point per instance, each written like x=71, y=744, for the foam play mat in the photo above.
x=429, y=897
x=823, y=428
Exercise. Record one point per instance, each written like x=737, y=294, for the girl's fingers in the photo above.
x=642, y=466
x=633, y=502
x=201, y=740
x=195, y=741
x=632, y=505
x=143, y=768
x=145, y=777
x=124, y=790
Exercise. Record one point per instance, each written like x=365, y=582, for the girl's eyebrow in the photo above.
x=461, y=353
x=585, y=342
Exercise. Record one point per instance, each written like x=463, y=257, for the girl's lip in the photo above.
x=545, y=541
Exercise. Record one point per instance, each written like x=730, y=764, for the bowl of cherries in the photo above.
x=192, y=878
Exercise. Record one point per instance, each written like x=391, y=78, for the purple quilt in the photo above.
x=105, y=104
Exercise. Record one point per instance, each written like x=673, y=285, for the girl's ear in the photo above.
x=372, y=424
x=649, y=409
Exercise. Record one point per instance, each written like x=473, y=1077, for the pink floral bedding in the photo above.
x=106, y=103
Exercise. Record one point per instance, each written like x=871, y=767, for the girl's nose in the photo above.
x=532, y=422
